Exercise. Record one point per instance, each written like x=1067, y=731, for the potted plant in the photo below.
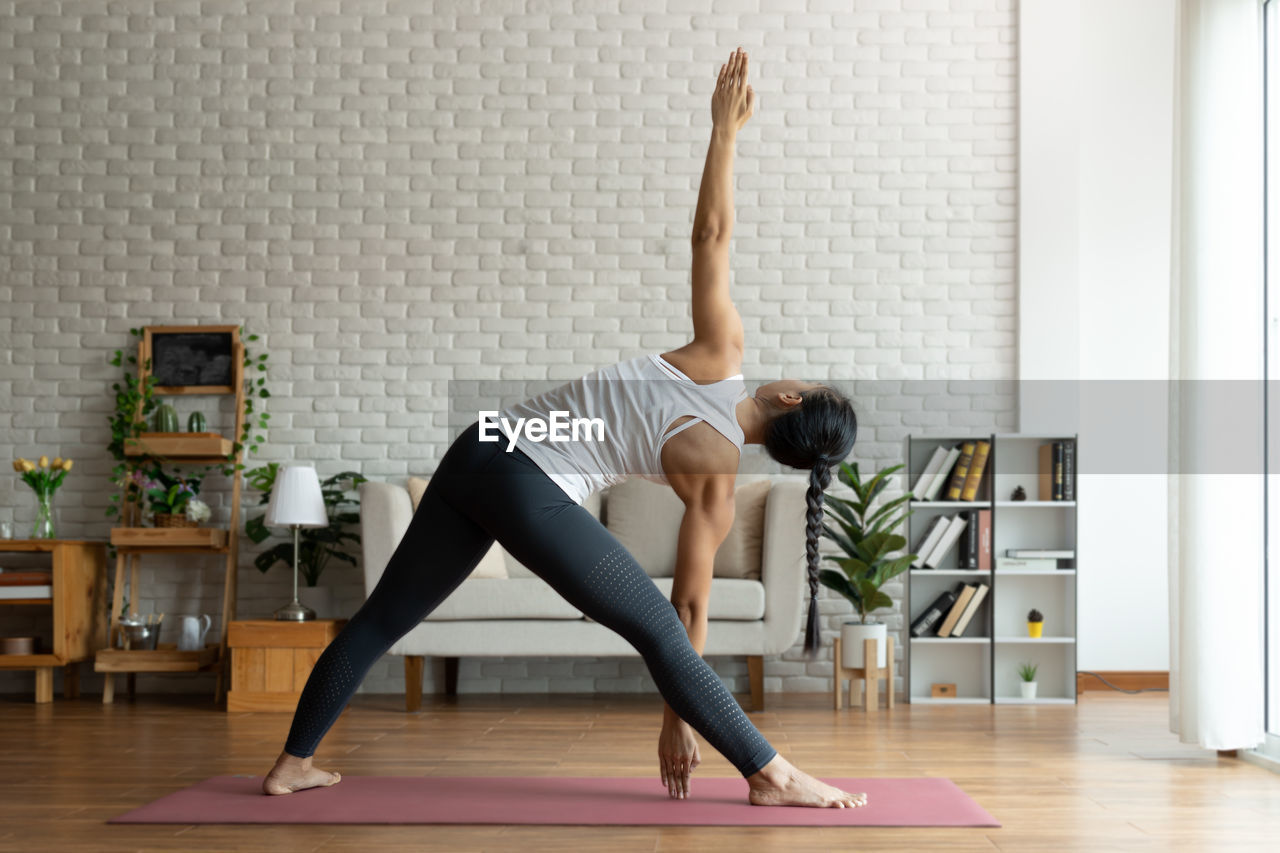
x=316, y=545
x=1028, y=673
x=865, y=537
x=1035, y=623
x=172, y=500
x=44, y=479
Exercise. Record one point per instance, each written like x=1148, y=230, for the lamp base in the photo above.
x=295, y=611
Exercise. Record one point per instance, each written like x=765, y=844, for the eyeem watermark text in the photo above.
x=560, y=427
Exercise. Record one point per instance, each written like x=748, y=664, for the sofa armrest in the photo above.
x=782, y=567
x=385, y=513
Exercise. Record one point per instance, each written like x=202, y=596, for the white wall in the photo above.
x=393, y=194
x=1096, y=129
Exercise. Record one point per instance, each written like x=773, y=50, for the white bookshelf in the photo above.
x=983, y=664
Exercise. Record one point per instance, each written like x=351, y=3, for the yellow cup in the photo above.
x=1034, y=628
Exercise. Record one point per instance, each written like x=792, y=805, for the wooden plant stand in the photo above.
x=272, y=659
x=870, y=674
x=132, y=540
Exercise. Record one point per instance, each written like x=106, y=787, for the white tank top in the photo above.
x=636, y=402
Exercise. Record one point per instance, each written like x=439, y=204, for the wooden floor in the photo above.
x=1101, y=775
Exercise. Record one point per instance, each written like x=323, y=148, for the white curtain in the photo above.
x=1216, y=479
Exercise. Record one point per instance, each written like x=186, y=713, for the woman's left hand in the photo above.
x=677, y=756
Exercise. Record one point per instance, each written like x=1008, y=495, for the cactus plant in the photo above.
x=1035, y=616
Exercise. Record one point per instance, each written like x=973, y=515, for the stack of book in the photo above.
x=26, y=583
x=959, y=468
x=1057, y=471
x=950, y=613
x=972, y=529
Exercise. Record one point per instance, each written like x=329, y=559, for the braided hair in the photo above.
x=817, y=435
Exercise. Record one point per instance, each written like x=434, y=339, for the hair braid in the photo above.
x=819, y=479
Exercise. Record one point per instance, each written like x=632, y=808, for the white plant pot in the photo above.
x=319, y=599
x=851, y=636
x=1028, y=689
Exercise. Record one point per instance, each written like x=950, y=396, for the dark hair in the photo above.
x=818, y=434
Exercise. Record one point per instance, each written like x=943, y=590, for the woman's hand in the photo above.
x=677, y=756
x=733, y=101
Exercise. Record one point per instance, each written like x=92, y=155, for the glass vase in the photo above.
x=43, y=528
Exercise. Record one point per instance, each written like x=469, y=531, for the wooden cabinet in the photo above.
x=272, y=659
x=77, y=605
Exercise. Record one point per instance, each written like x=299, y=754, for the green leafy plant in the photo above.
x=316, y=545
x=865, y=536
x=251, y=383
x=1028, y=671
x=170, y=494
x=134, y=404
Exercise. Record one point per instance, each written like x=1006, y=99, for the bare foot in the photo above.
x=296, y=774
x=779, y=783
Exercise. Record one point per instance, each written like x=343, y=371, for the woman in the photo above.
x=674, y=418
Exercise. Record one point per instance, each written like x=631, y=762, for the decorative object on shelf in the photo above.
x=296, y=501
x=165, y=418
x=1019, y=494
x=318, y=545
x=865, y=536
x=195, y=422
x=172, y=500
x=1035, y=623
x=192, y=630
x=41, y=478
x=1028, y=674
x=942, y=691
x=19, y=645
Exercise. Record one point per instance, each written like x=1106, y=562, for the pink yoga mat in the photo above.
x=914, y=801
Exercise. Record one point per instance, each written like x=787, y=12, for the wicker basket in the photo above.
x=167, y=519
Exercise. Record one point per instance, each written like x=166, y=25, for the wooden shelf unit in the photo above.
x=986, y=658
x=132, y=540
x=78, y=606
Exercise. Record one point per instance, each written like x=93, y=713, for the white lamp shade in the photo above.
x=297, y=499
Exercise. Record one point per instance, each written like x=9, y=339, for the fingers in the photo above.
x=720, y=80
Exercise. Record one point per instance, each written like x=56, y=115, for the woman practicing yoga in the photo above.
x=681, y=418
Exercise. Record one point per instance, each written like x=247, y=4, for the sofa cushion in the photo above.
x=503, y=598
x=645, y=518
x=492, y=565
x=731, y=600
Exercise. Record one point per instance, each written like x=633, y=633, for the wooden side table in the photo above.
x=77, y=608
x=870, y=674
x=271, y=660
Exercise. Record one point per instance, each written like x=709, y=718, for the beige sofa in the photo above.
x=504, y=610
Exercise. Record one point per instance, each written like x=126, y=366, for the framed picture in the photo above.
x=192, y=359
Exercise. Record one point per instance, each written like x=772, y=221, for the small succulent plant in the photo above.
x=1028, y=671
x=1035, y=616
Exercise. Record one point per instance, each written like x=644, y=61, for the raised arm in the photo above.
x=717, y=327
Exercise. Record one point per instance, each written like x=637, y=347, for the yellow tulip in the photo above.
x=27, y=466
x=57, y=462
x=44, y=461
x=66, y=465
x=17, y=464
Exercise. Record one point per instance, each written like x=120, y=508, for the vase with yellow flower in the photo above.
x=44, y=479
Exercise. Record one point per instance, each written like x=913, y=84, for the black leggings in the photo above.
x=480, y=493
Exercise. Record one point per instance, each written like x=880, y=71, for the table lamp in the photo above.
x=296, y=501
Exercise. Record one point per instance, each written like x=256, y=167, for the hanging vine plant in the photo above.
x=255, y=381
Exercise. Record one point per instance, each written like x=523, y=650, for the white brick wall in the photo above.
x=392, y=198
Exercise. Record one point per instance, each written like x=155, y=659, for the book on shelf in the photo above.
x=930, y=483
x=1057, y=471
x=26, y=591
x=947, y=540
x=975, y=541
x=963, y=594
x=1024, y=564
x=926, y=543
x=926, y=620
x=20, y=577
x=968, y=490
x=972, y=608
x=1041, y=553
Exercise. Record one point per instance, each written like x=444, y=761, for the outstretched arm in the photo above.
x=717, y=328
